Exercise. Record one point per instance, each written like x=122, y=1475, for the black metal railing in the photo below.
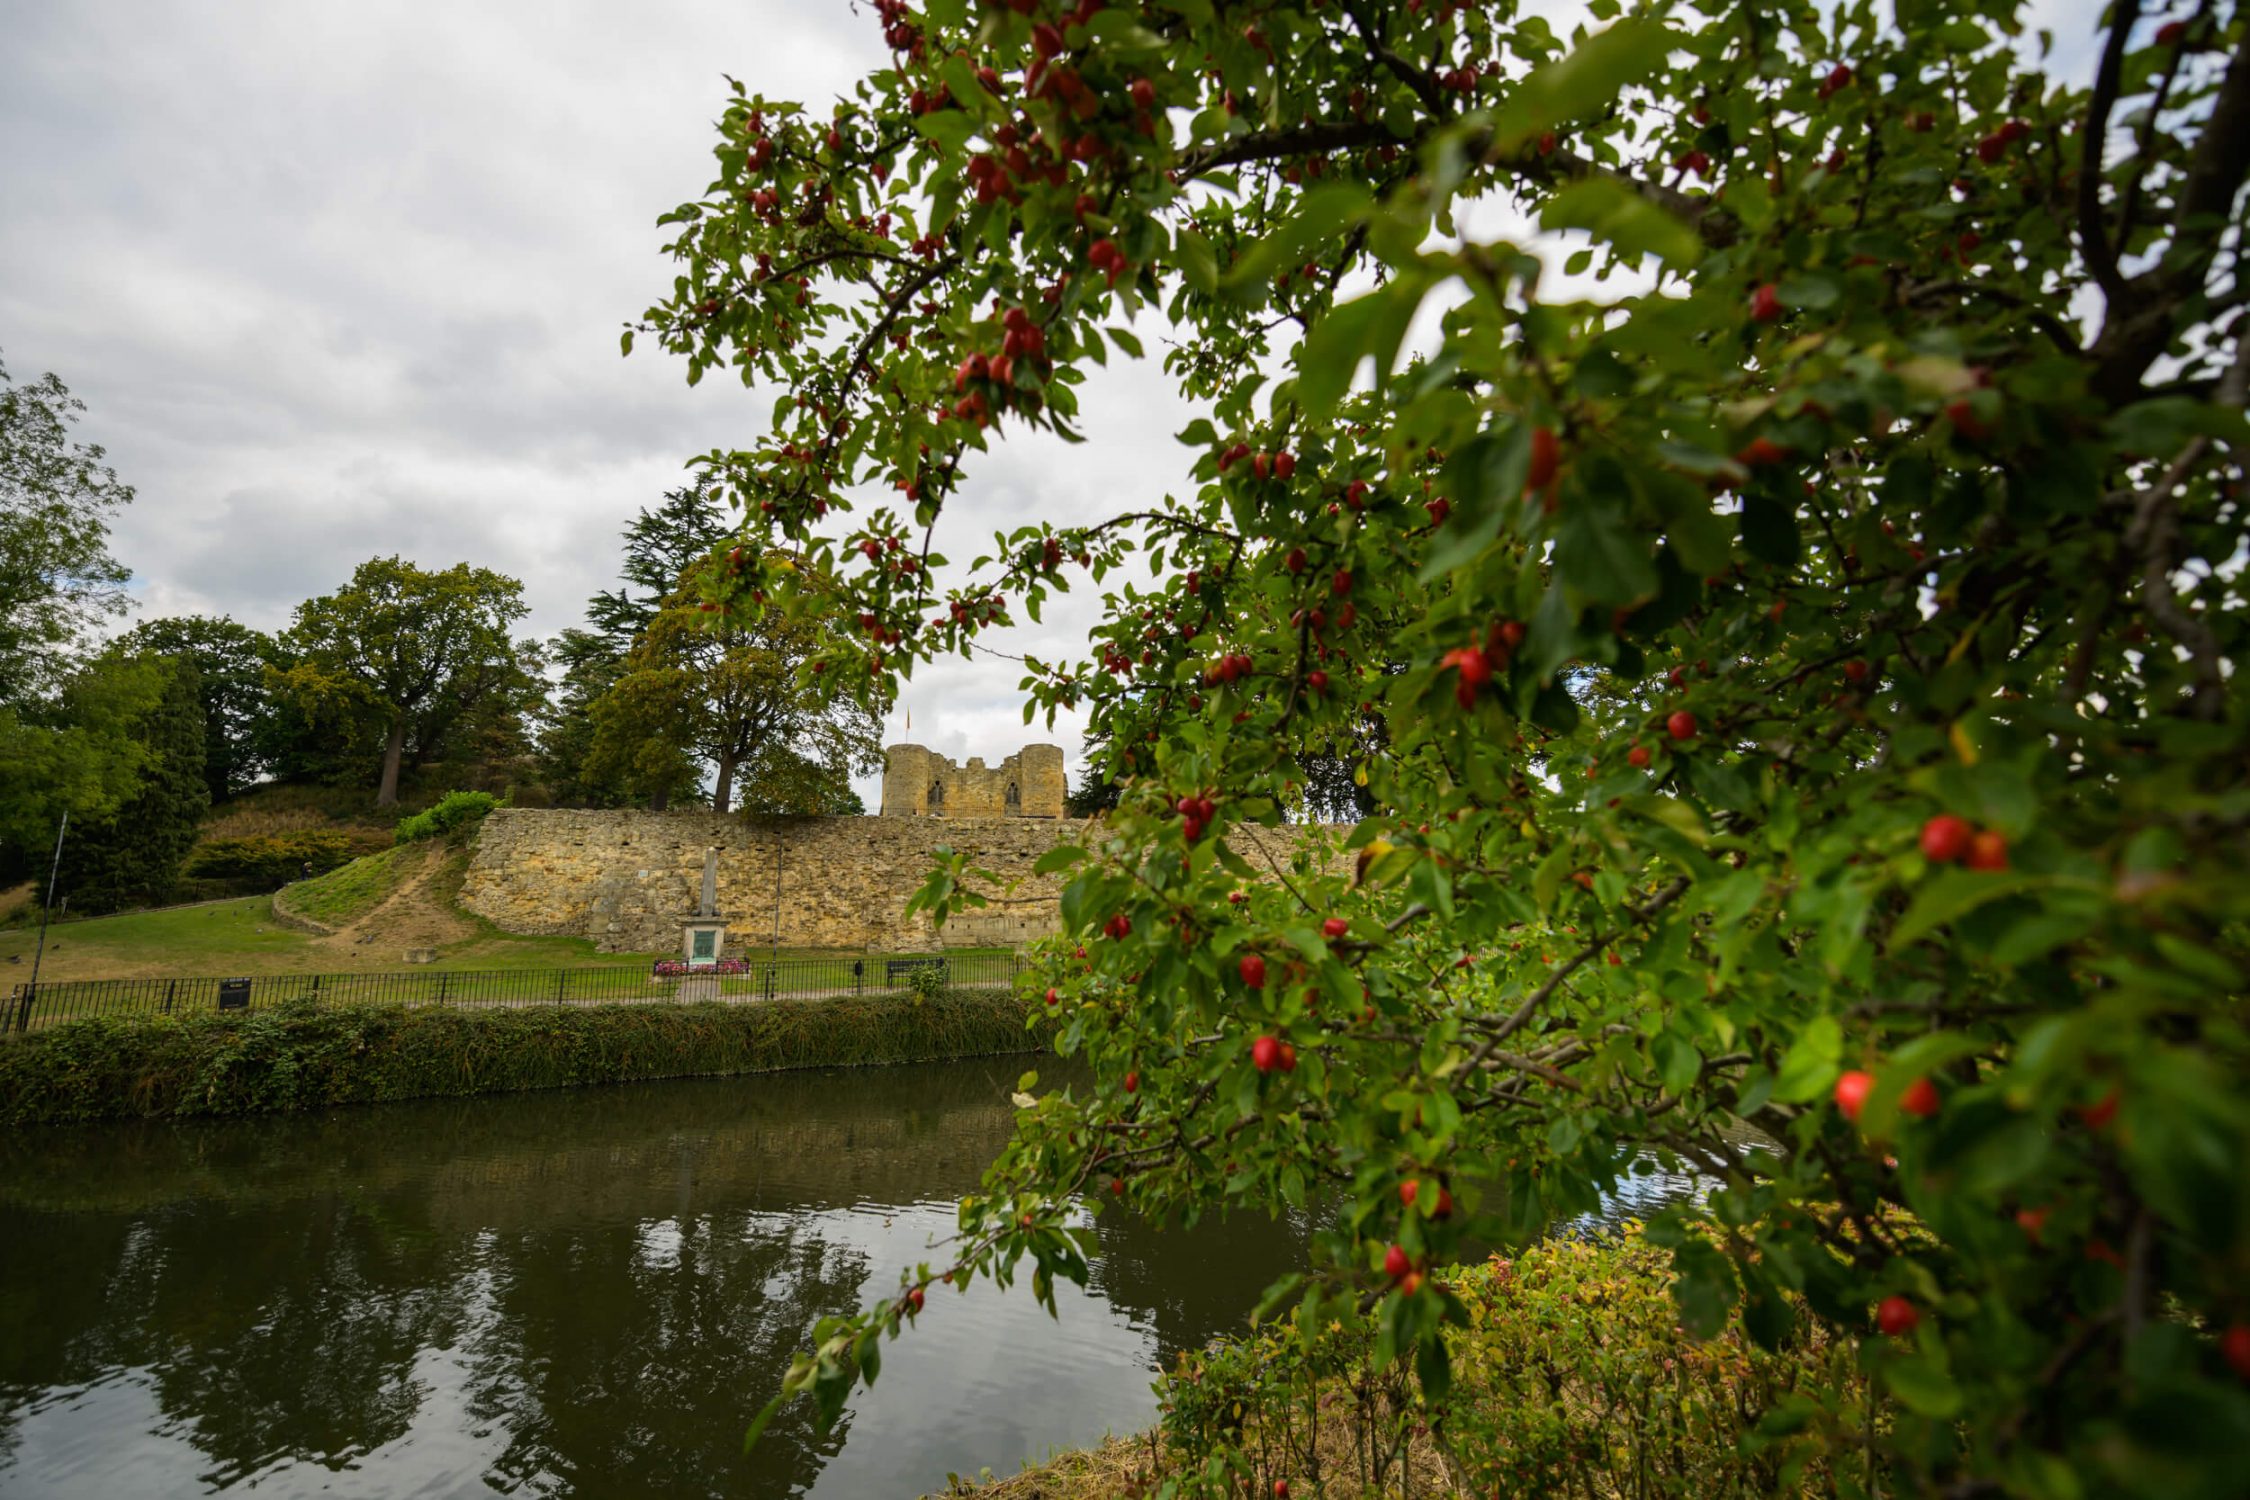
x=50, y=1002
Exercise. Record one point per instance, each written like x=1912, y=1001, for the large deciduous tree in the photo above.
x=57, y=496
x=79, y=749
x=131, y=856
x=700, y=690
x=230, y=661
x=1807, y=633
x=414, y=652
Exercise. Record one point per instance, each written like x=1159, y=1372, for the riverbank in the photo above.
x=302, y=1057
x=1569, y=1373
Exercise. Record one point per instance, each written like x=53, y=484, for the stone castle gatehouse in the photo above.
x=920, y=783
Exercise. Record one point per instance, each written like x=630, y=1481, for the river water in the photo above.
x=582, y=1292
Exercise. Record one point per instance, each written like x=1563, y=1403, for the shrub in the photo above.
x=301, y=1055
x=1565, y=1372
x=454, y=811
x=271, y=860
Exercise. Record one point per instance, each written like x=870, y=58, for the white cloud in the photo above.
x=339, y=281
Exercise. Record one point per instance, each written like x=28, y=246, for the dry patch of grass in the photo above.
x=1120, y=1467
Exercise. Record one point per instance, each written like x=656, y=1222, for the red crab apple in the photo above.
x=1896, y=1316
x=1545, y=454
x=1765, y=303
x=1946, y=838
x=1253, y=971
x=1681, y=725
x=1988, y=851
x=1265, y=1054
x=1920, y=1099
x=914, y=1297
x=1396, y=1262
x=1851, y=1093
x=2234, y=1344
x=1335, y=927
x=1132, y=1083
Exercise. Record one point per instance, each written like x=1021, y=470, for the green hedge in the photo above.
x=302, y=1056
x=269, y=860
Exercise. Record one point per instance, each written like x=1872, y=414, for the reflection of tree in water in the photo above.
x=591, y=1331
x=282, y=1279
x=1186, y=1284
x=301, y=1342
x=269, y=1334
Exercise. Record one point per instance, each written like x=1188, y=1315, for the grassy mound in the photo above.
x=349, y=892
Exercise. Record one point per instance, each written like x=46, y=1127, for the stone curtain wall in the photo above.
x=920, y=783
x=627, y=879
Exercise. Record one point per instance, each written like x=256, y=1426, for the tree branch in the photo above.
x=2093, y=238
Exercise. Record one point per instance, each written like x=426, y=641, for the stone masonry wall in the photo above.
x=626, y=879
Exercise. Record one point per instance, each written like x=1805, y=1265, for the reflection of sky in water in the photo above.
x=1646, y=1187
x=570, y=1295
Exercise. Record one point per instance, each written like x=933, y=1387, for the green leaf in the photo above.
x=1581, y=82
x=1609, y=210
x=765, y=1416
x=1600, y=553
x=1923, y=1386
x=1951, y=894
x=1199, y=267
x=1331, y=353
x=1808, y=290
x=1812, y=1062
x=1061, y=857
x=1321, y=219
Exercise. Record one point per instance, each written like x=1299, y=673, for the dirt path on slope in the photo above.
x=413, y=916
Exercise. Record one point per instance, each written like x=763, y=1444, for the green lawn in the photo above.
x=241, y=937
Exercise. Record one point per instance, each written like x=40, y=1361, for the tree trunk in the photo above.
x=722, y=792
x=387, y=794
x=660, y=800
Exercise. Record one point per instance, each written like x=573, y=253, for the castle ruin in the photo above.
x=920, y=783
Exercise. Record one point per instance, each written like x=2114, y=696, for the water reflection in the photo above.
x=568, y=1293
x=581, y=1293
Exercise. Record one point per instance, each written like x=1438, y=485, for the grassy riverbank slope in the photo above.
x=302, y=1057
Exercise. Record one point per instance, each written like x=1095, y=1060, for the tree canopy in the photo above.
x=1805, y=625
x=410, y=651
x=131, y=856
x=230, y=661
x=56, y=499
x=697, y=691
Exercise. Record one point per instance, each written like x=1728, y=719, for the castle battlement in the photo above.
x=920, y=783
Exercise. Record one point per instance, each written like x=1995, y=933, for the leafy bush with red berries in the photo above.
x=1794, y=650
x=1571, y=1376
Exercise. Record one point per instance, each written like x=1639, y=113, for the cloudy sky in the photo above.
x=340, y=281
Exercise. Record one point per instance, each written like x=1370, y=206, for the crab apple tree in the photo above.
x=1879, y=344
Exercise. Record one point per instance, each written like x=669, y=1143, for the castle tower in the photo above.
x=919, y=783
